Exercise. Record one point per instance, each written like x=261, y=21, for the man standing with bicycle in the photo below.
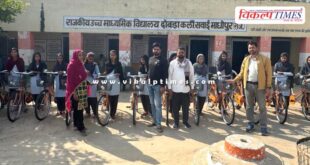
x=256, y=73
x=157, y=74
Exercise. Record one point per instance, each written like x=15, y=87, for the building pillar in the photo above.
x=219, y=44
x=125, y=48
x=75, y=42
x=173, y=43
x=26, y=46
x=304, y=51
x=264, y=45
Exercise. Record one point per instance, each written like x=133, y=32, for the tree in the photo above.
x=9, y=9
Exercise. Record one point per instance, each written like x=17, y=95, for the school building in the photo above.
x=130, y=27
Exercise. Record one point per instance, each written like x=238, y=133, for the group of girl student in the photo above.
x=59, y=83
x=93, y=72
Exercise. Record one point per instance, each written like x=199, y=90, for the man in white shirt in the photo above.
x=180, y=85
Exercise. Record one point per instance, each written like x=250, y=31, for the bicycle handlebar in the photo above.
x=54, y=73
x=4, y=71
x=23, y=73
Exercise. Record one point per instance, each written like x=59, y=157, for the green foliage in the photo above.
x=9, y=9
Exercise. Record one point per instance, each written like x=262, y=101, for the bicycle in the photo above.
x=199, y=91
x=137, y=87
x=281, y=91
x=44, y=99
x=225, y=100
x=17, y=97
x=305, y=100
x=103, y=114
x=3, y=93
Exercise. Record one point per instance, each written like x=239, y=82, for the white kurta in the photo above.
x=35, y=89
x=58, y=92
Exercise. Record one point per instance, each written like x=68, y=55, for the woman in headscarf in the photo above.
x=223, y=65
x=76, y=89
x=59, y=83
x=201, y=72
x=115, y=71
x=144, y=95
x=14, y=64
x=93, y=72
x=36, y=81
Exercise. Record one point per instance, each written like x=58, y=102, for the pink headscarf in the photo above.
x=76, y=74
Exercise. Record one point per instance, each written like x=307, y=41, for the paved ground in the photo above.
x=28, y=141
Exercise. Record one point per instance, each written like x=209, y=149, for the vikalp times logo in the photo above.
x=270, y=15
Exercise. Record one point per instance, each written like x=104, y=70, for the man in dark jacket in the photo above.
x=158, y=73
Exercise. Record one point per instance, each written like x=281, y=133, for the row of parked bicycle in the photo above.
x=227, y=97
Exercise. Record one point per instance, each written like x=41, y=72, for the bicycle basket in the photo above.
x=14, y=82
x=199, y=86
x=303, y=151
x=105, y=87
x=283, y=85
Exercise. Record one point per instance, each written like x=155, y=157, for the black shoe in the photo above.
x=187, y=125
x=159, y=129
x=250, y=128
x=264, y=132
x=151, y=125
x=175, y=126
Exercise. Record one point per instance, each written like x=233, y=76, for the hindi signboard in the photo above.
x=117, y=23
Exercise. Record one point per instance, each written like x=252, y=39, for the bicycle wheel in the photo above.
x=281, y=109
x=304, y=108
x=228, y=110
x=42, y=105
x=69, y=118
x=14, y=106
x=196, y=113
x=103, y=115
